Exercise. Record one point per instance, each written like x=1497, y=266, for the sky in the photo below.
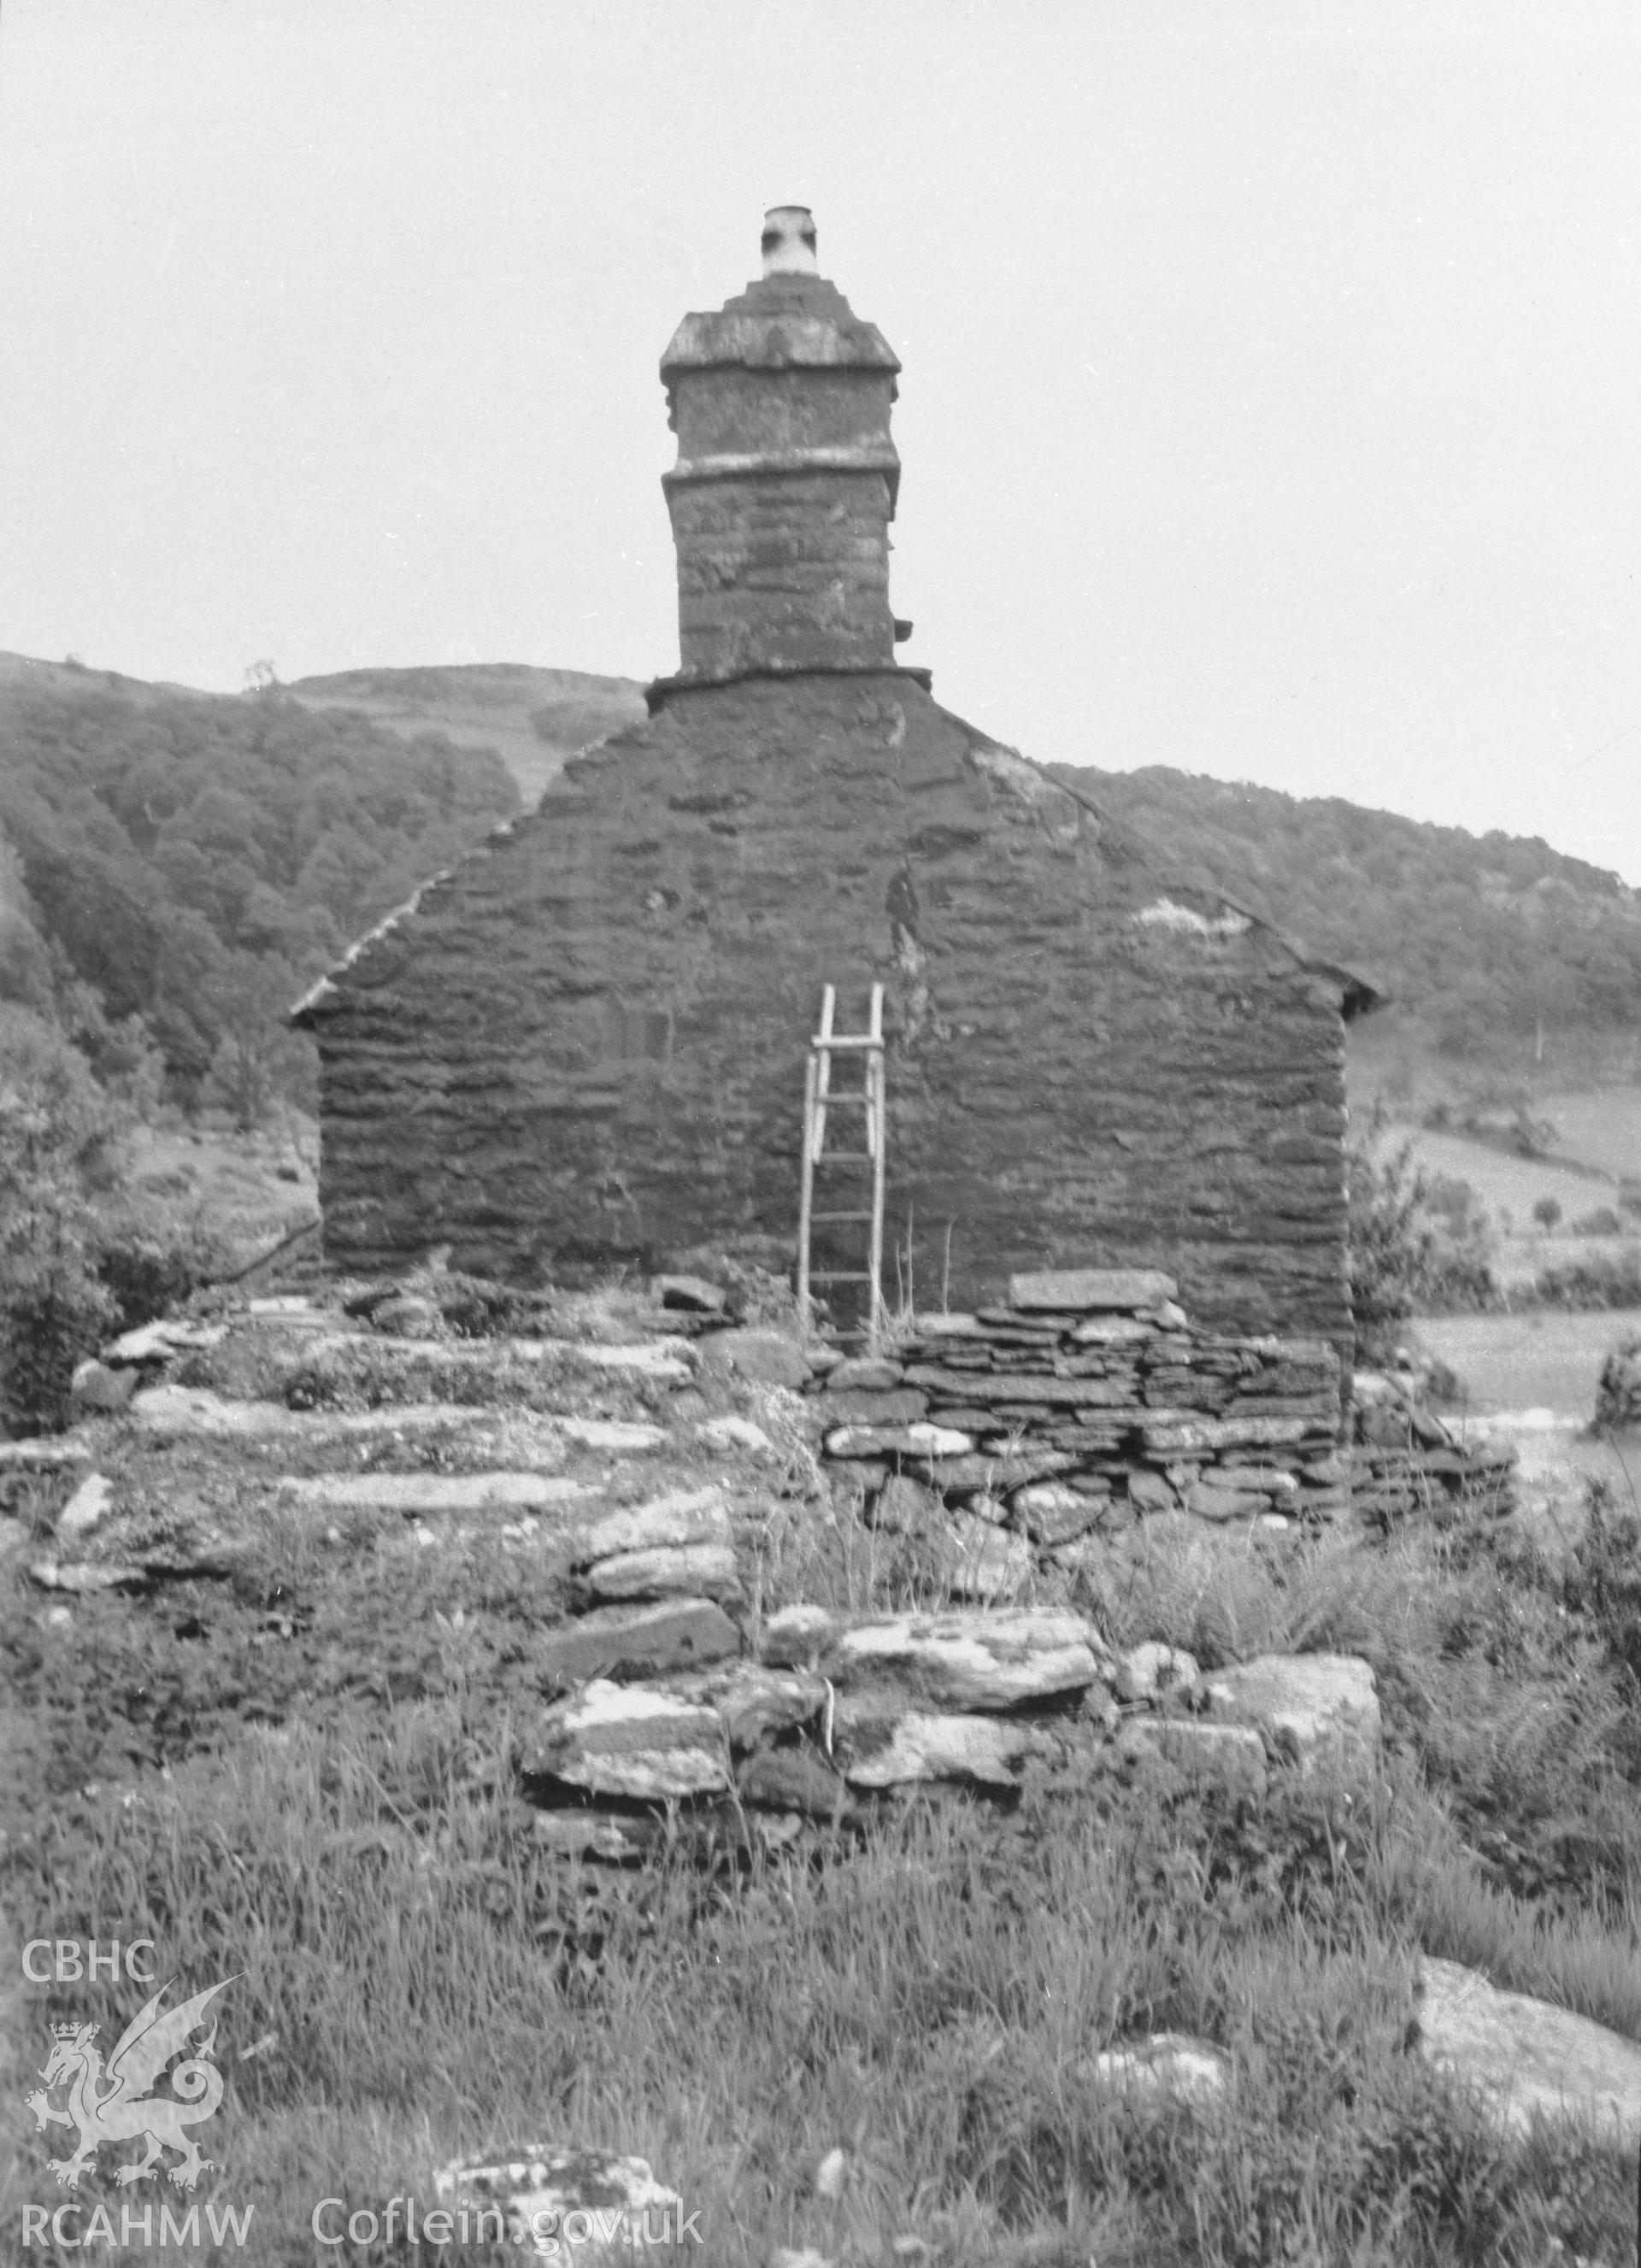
x=1271, y=399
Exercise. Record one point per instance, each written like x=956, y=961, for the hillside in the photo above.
x=1498, y=953
x=196, y=859
x=532, y=718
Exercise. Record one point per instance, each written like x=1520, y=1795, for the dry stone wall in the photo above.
x=1087, y=1402
x=587, y=1044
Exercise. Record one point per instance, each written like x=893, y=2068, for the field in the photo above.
x=297, y=1760
x=1594, y=1148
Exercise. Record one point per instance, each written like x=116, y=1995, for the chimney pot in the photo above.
x=789, y=241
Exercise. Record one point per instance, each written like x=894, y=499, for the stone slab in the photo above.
x=610, y=1642
x=1180, y=1434
x=972, y=1659
x=898, y=1441
x=426, y=1495
x=631, y=1740
x=864, y=1373
x=681, y=1516
x=1526, y=2059
x=1311, y=1706
x=900, y=1405
x=86, y=1509
x=1167, y=2063
x=1023, y=1386
x=43, y=1457
x=1074, y=1290
x=666, y=1571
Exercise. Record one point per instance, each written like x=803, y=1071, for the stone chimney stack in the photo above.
x=786, y=476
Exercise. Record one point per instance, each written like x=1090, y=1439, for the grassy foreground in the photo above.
x=418, y=1979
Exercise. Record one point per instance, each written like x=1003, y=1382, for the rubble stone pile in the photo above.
x=1087, y=1402
x=1406, y=1461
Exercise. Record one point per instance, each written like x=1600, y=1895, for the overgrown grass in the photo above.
x=930, y=1997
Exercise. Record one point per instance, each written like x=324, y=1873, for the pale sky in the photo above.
x=1272, y=392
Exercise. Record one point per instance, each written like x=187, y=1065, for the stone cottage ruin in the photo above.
x=587, y=1045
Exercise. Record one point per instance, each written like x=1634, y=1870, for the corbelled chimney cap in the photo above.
x=790, y=319
x=789, y=241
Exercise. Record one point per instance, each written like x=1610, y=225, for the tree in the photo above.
x=56, y=1136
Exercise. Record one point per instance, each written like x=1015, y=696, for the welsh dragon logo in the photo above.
x=112, y=2105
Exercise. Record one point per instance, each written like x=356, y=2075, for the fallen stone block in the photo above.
x=1232, y=1756
x=762, y=1358
x=429, y=1494
x=991, y=1751
x=1527, y=2060
x=973, y=1660
x=1167, y=2063
x=667, y=1569
x=1072, y=1290
x=96, y=1389
x=632, y=1740
x=86, y=1509
x=1313, y=1706
x=616, y=1642
x=1149, y=1670
x=922, y=1441
x=580, y=2202
x=692, y=1294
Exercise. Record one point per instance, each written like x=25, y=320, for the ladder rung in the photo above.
x=853, y=1041
x=838, y=1276
x=847, y=1094
x=840, y=1216
x=844, y=1157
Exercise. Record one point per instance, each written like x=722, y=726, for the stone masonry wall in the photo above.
x=587, y=1044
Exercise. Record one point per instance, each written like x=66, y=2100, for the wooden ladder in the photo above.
x=820, y=1097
